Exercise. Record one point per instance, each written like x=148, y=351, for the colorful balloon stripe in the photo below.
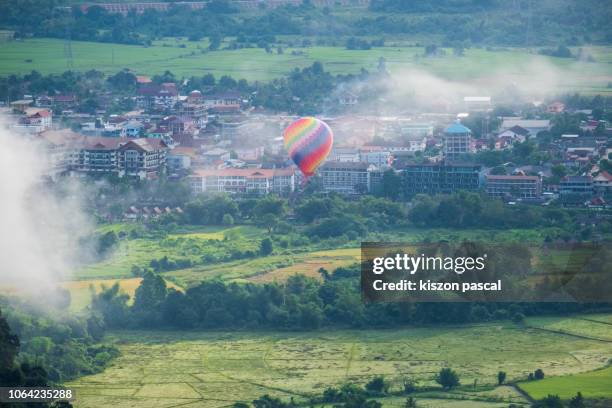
x=308, y=141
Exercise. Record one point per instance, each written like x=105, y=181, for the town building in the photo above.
x=245, y=181
x=152, y=96
x=215, y=155
x=457, y=141
x=76, y=154
x=534, y=126
x=576, y=185
x=526, y=187
x=514, y=134
x=142, y=158
x=344, y=154
x=349, y=178
x=440, y=178
x=377, y=157
x=602, y=183
x=225, y=102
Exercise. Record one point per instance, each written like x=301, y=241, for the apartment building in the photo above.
x=457, y=141
x=440, y=178
x=243, y=181
x=576, y=185
x=349, y=178
x=527, y=187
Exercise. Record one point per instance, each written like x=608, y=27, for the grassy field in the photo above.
x=186, y=58
x=216, y=369
x=576, y=326
x=594, y=384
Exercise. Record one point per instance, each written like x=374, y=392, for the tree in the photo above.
x=377, y=385
x=577, y=401
x=551, y=401
x=501, y=377
x=447, y=378
x=228, y=219
x=391, y=184
x=149, y=298
x=538, y=374
x=269, y=402
x=265, y=248
x=215, y=42
x=410, y=403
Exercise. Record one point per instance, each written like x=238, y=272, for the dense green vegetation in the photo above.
x=478, y=22
x=299, y=303
x=59, y=345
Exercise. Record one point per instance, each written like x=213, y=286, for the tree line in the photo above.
x=476, y=21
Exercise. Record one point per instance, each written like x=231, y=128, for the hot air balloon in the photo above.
x=308, y=141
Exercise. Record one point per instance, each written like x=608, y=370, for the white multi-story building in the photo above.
x=243, y=181
x=348, y=178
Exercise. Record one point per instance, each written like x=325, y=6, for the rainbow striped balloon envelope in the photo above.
x=308, y=141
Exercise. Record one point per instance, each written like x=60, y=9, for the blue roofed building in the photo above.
x=457, y=141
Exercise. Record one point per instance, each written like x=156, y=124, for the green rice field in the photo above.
x=214, y=369
x=185, y=58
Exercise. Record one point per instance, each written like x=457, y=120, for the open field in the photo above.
x=80, y=291
x=216, y=369
x=269, y=268
x=594, y=384
x=575, y=326
x=185, y=58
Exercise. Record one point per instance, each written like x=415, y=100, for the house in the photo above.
x=65, y=101
x=21, y=105
x=602, y=183
x=576, y=185
x=249, y=154
x=243, y=181
x=179, y=124
x=415, y=129
x=457, y=141
x=194, y=111
x=195, y=97
x=534, y=126
x=225, y=102
x=152, y=96
x=35, y=119
x=132, y=128
x=143, y=79
x=349, y=178
x=181, y=158
x=215, y=156
x=515, y=134
x=578, y=156
x=526, y=187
